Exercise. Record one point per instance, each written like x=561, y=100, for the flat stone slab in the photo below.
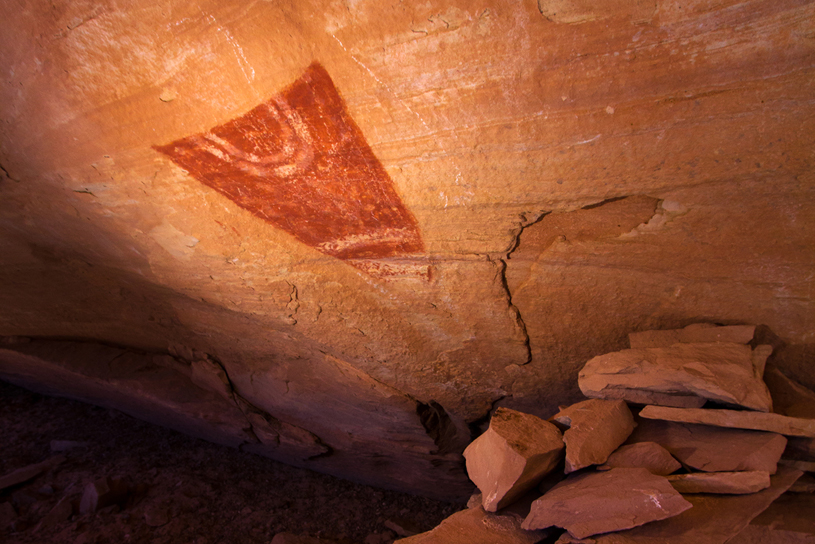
x=648, y=455
x=599, y=502
x=477, y=526
x=29, y=472
x=512, y=456
x=721, y=372
x=714, y=519
x=713, y=449
x=761, y=534
x=692, y=334
x=729, y=483
x=596, y=428
x=791, y=512
x=734, y=419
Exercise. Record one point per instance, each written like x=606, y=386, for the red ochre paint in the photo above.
x=299, y=162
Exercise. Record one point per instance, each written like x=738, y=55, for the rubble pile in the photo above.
x=678, y=442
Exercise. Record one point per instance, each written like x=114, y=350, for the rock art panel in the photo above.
x=299, y=162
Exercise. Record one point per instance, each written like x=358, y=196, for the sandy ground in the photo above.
x=179, y=489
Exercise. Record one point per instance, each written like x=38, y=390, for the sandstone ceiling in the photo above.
x=340, y=233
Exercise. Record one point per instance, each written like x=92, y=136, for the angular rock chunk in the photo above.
x=734, y=419
x=692, y=334
x=713, y=449
x=600, y=502
x=648, y=455
x=714, y=519
x=512, y=456
x=596, y=428
x=475, y=526
x=790, y=398
x=729, y=483
x=721, y=372
x=102, y=493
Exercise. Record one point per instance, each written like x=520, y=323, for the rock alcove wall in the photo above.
x=340, y=234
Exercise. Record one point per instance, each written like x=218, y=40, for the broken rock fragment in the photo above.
x=713, y=449
x=729, y=483
x=596, y=428
x=600, y=502
x=734, y=419
x=102, y=493
x=721, y=372
x=512, y=456
x=648, y=455
x=714, y=519
x=692, y=334
x=30, y=472
x=476, y=526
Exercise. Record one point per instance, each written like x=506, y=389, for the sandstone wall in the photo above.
x=375, y=221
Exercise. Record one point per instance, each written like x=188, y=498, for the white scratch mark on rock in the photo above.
x=237, y=49
x=588, y=141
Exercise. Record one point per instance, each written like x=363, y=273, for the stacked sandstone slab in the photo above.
x=703, y=458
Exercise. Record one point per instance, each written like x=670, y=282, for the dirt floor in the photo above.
x=177, y=489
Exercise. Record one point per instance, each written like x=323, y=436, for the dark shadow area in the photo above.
x=179, y=489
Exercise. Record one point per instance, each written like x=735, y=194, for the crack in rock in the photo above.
x=501, y=265
x=263, y=426
x=8, y=174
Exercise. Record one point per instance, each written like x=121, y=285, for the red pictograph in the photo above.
x=299, y=162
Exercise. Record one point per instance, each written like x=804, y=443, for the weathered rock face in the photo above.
x=383, y=219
